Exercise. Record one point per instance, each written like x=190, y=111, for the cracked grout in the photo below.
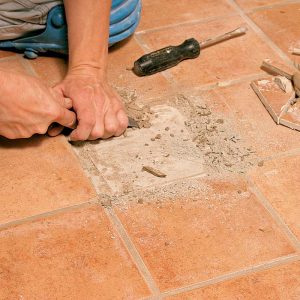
x=50, y=213
x=136, y=257
x=235, y=275
x=274, y=214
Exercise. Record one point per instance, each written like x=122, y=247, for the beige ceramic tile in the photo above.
x=219, y=229
x=75, y=255
x=39, y=175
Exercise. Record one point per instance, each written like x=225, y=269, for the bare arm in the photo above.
x=99, y=109
x=88, y=29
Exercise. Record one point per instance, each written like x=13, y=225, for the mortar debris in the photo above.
x=139, y=112
x=214, y=136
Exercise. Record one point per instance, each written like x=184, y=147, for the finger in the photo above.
x=56, y=130
x=98, y=131
x=111, y=124
x=61, y=100
x=123, y=122
x=66, y=118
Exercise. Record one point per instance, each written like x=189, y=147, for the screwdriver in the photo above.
x=170, y=56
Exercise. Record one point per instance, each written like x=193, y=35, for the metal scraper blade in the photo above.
x=132, y=123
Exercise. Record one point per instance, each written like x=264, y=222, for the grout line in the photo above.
x=186, y=23
x=28, y=66
x=279, y=155
x=230, y=82
x=234, y=275
x=275, y=215
x=48, y=214
x=261, y=34
x=271, y=6
x=133, y=252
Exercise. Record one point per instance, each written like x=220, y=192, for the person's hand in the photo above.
x=99, y=109
x=28, y=107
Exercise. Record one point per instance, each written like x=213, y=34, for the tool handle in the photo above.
x=166, y=58
x=227, y=36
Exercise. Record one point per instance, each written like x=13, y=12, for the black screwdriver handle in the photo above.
x=166, y=58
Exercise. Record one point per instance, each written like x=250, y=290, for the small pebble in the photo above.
x=158, y=136
x=220, y=121
x=261, y=163
x=140, y=201
x=152, y=139
x=167, y=128
x=171, y=135
x=146, y=144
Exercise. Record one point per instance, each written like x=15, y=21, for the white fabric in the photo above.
x=18, y=17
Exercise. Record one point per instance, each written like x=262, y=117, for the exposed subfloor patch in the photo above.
x=167, y=149
x=181, y=141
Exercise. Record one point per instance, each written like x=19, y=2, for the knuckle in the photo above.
x=41, y=129
x=96, y=134
x=111, y=126
x=123, y=122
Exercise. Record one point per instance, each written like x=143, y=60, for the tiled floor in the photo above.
x=232, y=236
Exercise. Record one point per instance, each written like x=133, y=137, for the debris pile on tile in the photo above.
x=280, y=93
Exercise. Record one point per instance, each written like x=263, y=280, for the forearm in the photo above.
x=88, y=32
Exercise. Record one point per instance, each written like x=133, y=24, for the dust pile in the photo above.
x=213, y=134
x=215, y=138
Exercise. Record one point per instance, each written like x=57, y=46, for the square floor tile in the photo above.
x=254, y=123
x=219, y=229
x=75, y=255
x=39, y=175
x=281, y=24
x=277, y=180
x=157, y=13
x=51, y=70
x=278, y=283
x=226, y=61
